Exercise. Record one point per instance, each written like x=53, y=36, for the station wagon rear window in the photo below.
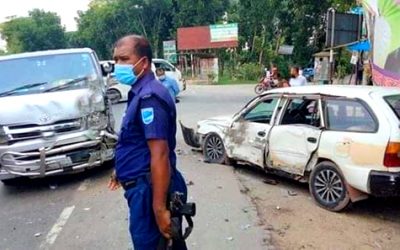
x=349, y=115
x=394, y=103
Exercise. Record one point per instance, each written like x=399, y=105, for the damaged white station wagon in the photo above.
x=343, y=140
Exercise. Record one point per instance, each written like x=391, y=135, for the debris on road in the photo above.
x=375, y=230
x=190, y=183
x=245, y=190
x=270, y=181
x=245, y=227
x=245, y=210
x=87, y=209
x=226, y=220
x=278, y=208
x=38, y=235
x=229, y=238
x=291, y=193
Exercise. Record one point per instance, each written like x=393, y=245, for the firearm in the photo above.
x=179, y=210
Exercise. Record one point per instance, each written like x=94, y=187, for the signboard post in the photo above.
x=170, y=51
x=224, y=32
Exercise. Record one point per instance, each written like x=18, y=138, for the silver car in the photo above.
x=54, y=114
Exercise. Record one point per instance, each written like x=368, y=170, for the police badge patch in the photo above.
x=147, y=115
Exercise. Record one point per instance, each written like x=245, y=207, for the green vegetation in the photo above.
x=39, y=31
x=264, y=25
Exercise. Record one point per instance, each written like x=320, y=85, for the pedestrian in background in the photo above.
x=168, y=82
x=296, y=79
x=145, y=159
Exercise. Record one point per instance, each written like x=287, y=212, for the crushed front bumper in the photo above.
x=384, y=184
x=59, y=158
x=190, y=137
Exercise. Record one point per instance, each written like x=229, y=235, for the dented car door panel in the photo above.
x=246, y=141
x=246, y=138
x=291, y=147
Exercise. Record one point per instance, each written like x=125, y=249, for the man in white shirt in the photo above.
x=296, y=79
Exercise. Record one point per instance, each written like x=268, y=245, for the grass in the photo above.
x=226, y=80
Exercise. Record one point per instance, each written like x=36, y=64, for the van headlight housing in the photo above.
x=97, y=120
x=3, y=136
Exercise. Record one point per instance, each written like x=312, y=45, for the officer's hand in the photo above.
x=113, y=184
x=163, y=219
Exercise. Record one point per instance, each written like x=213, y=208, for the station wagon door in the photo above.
x=296, y=135
x=247, y=136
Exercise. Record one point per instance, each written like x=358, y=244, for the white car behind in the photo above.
x=119, y=92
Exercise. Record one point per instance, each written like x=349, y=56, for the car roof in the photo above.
x=45, y=53
x=350, y=91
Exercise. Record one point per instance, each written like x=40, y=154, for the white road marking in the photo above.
x=84, y=186
x=58, y=226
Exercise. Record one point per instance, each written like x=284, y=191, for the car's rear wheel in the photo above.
x=214, y=149
x=114, y=95
x=328, y=187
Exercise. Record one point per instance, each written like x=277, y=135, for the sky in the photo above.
x=67, y=10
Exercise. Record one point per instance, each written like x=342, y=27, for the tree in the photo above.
x=108, y=20
x=39, y=31
x=265, y=25
x=198, y=12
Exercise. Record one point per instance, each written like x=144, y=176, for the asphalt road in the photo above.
x=78, y=212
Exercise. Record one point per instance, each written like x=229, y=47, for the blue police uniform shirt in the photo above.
x=150, y=114
x=172, y=86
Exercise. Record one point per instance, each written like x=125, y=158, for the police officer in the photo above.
x=145, y=162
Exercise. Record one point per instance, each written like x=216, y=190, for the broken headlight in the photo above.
x=3, y=136
x=97, y=120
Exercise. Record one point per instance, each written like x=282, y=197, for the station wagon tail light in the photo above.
x=392, y=155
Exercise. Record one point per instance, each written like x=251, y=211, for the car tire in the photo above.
x=328, y=187
x=114, y=96
x=214, y=149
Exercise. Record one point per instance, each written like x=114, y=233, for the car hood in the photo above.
x=223, y=121
x=48, y=108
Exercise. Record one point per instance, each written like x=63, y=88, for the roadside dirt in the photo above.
x=294, y=221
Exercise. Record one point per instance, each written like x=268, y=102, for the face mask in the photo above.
x=125, y=73
x=162, y=78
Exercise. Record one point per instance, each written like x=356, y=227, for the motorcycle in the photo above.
x=265, y=84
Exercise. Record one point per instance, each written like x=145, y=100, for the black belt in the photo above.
x=132, y=183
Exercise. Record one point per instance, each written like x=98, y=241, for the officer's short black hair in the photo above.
x=141, y=46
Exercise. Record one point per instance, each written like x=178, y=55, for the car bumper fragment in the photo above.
x=384, y=184
x=190, y=137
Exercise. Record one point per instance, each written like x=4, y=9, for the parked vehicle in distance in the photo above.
x=119, y=92
x=55, y=117
x=343, y=140
x=308, y=73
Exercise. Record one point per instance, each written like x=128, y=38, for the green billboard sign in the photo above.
x=170, y=51
x=224, y=32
